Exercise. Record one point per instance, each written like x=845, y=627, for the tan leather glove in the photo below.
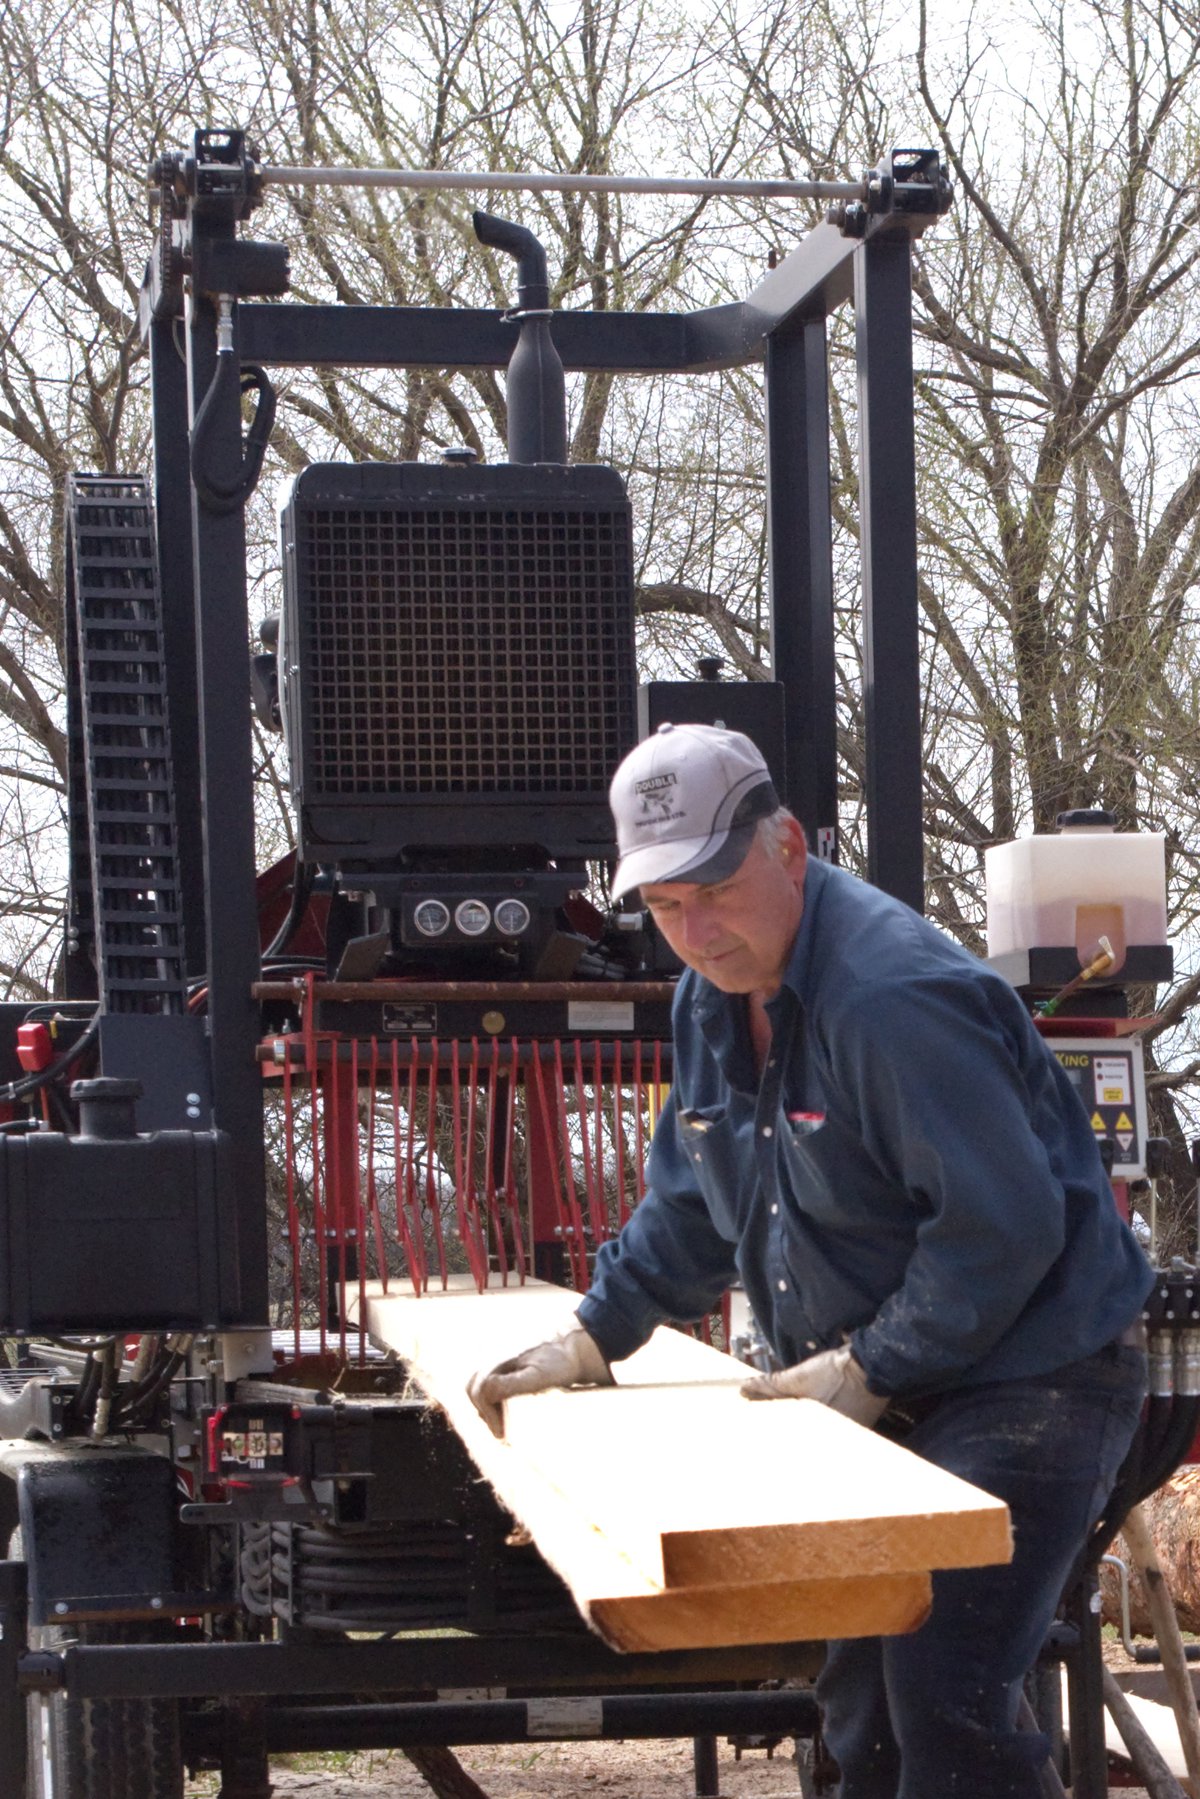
x=572, y=1360
x=833, y=1377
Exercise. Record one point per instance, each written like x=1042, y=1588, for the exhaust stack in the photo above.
x=537, y=397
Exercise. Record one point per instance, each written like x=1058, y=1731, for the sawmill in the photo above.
x=407, y=1076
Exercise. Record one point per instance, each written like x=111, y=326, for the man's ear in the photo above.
x=794, y=845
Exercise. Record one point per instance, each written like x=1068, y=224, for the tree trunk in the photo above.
x=1173, y=1514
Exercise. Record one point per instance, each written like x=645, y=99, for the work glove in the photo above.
x=833, y=1377
x=572, y=1360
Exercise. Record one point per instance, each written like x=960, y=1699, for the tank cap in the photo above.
x=1085, y=818
x=106, y=1106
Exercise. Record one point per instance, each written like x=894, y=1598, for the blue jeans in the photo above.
x=935, y=1713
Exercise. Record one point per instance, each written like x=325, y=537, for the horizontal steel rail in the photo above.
x=291, y=1729
x=491, y=180
x=418, y=1666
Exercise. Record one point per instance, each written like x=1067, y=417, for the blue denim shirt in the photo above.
x=943, y=1202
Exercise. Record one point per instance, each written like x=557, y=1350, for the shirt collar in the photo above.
x=799, y=969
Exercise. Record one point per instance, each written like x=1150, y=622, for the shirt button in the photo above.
x=774, y=1210
x=772, y=1061
x=767, y=1131
x=811, y=1344
x=783, y=1286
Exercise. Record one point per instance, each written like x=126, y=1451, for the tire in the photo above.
x=99, y=1748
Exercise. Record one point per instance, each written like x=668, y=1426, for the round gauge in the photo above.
x=512, y=917
x=472, y=917
x=431, y=917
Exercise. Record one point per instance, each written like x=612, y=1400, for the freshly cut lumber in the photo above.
x=678, y=1513
x=875, y=1605
x=716, y=1489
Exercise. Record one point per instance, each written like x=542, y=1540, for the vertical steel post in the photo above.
x=888, y=528
x=704, y=1763
x=343, y=1169
x=800, y=552
x=173, y=523
x=227, y=786
x=547, y=1249
x=12, y=1700
x=1085, y=1692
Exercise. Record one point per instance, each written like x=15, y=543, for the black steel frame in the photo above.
x=783, y=323
x=202, y=553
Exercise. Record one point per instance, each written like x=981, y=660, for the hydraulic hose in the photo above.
x=220, y=489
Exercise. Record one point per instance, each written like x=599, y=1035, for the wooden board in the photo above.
x=877, y=1605
x=678, y=1513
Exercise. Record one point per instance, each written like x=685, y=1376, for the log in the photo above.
x=1170, y=1642
x=1173, y=1515
x=678, y=1514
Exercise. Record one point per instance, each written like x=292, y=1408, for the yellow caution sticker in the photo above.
x=1124, y=1122
x=1098, y=1125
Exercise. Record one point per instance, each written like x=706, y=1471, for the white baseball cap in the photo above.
x=686, y=803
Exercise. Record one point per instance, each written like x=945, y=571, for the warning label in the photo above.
x=1114, y=1078
x=1106, y=1079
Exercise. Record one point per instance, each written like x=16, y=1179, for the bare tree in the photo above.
x=1058, y=343
x=1060, y=485
x=92, y=87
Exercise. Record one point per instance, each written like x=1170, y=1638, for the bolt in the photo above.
x=156, y=1604
x=193, y=1099
x=61, y=1607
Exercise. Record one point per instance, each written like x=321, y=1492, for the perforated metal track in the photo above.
x=127, y=867
x=467, y=648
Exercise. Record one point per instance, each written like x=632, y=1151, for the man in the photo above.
x=865, y=1127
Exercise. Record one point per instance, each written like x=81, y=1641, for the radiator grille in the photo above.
x=461, y=650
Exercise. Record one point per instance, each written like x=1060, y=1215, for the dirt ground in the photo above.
x=551, y=1771
x=644, y=1770
x=531, y=1771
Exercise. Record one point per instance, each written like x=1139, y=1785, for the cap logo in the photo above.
x=657, y=798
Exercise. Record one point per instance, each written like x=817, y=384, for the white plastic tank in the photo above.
x=1072, y=887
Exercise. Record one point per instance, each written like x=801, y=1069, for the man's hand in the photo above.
x=833, y=1377
x=572, y=1360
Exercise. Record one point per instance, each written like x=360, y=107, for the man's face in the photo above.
x=737, y=933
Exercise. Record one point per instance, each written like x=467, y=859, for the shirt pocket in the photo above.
x=820, y=1174
x=716, y=1161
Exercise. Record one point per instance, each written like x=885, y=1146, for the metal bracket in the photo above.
x=911, y=183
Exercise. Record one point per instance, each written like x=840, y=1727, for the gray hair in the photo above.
x=771, y=830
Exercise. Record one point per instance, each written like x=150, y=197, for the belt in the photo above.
x=903, y=1415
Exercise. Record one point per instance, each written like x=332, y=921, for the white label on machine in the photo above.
x=1112, y=1081
x=564, y=1717
x=462, y=1695
x=599, y=1015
